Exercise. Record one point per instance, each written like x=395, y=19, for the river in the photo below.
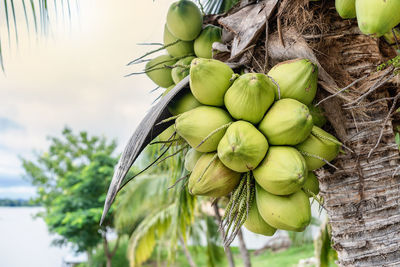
x=25, y=241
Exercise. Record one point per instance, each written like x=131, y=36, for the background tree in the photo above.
x=71, y=180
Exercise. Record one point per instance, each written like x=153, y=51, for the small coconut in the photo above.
x=196, y=124
x=168, y=135
x=191, y=157
x=291, y=213
x=182, y=101
x=179, y=73
x=288, y=122
x=256, y=224
x=243, y=147
x=162, y=77
x=184, y=20
x=209, y=80
x=320, y=145
x=317, y=115
x=213, y=180
x=346, y=8
x=181, y=48
x=250, y=96
x=297, y=79
x=377, y=17
x=203, y=43
x=311, y=184
x=282, y=172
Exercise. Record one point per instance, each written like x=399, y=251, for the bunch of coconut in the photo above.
x=375, y=17
x=185, y=38
x=259, y=131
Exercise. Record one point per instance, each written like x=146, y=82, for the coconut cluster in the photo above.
x=251, y=134
x=185, y=38
x=375, y=17
x=256, y=124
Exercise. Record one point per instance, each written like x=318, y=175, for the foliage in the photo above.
x=217, y=7
x=71, y=180
x=324, y=252
x=99, y=258
x=37, y=13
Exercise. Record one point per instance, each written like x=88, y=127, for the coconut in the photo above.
x=256, y=224
x=243, y=147
x=250, y=96
x=377, y=17
x=297, y=79
x=203, y=43
x=191, y=157
x=311, y=184
x=196, y=124
x=390, y=37
x=319, y=145
x=346, y=8
x=317, y=115
x=181, y=48
x=209, y=80
x=179, y=73
x=288, y=122
x=213, y=180
x=161, y=77
x=184, y=20
x=291, y=213
x=183, y=101
x=282, y=172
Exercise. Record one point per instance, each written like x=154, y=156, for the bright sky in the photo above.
x=75, y=78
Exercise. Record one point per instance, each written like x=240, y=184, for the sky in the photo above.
x=74, y=77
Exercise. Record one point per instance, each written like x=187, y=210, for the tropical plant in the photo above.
x=38, y=14
x=71, y=178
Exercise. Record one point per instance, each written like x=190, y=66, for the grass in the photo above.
x=287, y=258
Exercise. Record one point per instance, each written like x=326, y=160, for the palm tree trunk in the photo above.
x=243, y=250
x=187, y=252
x=227, y=250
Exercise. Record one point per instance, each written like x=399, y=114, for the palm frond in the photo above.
x=218, y=6
x=143, y=239
x=9, y=10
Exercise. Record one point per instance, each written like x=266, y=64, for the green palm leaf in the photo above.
x=9, y=13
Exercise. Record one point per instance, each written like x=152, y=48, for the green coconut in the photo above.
x=213, y=180
x=191, y=157
x=291, y=213
x=203, y=43
x=256, y=224
x=297, y=79
x=243, y=147
x=288, y=122
x=311, y=184
x=209, y=80
x=180, y=49
x=390, y=36
x=346, y=8
x=250, y=96
x=319, y=145
x=179, y=73
x=184, y=20
x=196, y=124
x=377, y=17
x=317, y=115
x=183, y=101
x=162, y=77
x=282, y=172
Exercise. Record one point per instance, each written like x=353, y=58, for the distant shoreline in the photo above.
x=7, y=202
